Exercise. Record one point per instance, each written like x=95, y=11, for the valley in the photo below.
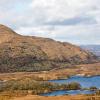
x=28, y=63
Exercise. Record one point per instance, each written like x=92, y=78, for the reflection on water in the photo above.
x=65, y=92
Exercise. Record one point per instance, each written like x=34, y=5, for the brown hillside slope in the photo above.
x=25, y=53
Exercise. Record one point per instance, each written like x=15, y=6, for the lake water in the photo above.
x=85, y=82
x=66, y=92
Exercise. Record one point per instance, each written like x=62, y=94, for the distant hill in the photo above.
x=29, y=53
x=92, y=48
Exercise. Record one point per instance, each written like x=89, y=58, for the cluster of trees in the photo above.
x=29, y=64
x=37, y=87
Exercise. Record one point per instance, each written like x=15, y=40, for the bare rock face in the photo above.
x=25, y=53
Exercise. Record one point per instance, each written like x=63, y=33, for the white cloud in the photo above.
x=76, y=21
x=42, y=31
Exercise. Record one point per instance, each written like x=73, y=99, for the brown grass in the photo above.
x=77, y=97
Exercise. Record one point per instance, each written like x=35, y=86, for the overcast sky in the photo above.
x=75, y=21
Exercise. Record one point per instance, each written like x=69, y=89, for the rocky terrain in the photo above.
x=28, y=53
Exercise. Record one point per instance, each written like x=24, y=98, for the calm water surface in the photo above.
x=65, y=92
x=85, y=82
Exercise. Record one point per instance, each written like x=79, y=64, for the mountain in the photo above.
x=30, y=53
x=92, y=48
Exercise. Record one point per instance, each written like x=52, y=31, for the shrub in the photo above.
x=93, y=88
x=74, y=86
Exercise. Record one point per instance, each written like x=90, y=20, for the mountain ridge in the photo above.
x=30, y=53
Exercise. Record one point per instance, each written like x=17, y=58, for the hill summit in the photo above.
x=29, y=53
x=6, y=33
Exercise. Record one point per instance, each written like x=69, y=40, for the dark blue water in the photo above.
x=85, y=82
x=65, y=92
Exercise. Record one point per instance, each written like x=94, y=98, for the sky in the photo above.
x=75, y=21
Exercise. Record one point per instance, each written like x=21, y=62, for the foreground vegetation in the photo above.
x=23, y=96
x=36, y=87
x=27, y=86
